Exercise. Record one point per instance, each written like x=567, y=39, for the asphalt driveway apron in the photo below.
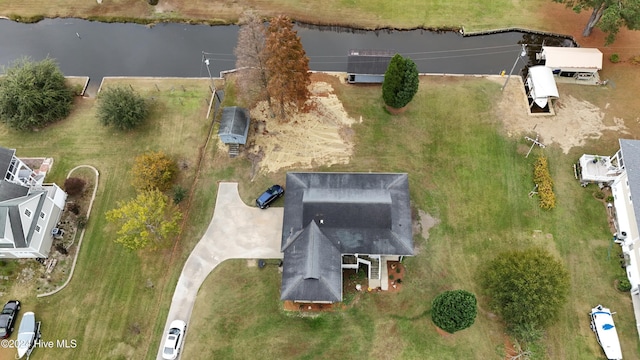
x=237, y=231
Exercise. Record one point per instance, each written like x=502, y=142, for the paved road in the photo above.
x=236, y=231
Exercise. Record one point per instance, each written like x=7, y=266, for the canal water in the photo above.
x=94, y=49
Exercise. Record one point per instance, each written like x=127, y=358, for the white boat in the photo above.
x=606, y=334
x=27, y=334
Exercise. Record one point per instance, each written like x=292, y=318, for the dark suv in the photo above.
x=269, y=196
x=8, y=318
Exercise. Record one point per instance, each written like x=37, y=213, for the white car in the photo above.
x=174, y=339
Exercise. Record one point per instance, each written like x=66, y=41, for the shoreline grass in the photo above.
x=373, y=14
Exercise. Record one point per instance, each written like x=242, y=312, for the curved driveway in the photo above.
x=236, y=231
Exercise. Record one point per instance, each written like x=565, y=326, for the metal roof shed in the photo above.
x=367, y=66
x=234, y=125
x=572, y=59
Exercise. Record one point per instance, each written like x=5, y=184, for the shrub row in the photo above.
x=542, y=178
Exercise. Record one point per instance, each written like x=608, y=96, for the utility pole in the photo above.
x=522, y=54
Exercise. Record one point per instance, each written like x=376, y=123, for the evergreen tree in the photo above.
x=122, y=107
x=33, y=94
x=454, y=310
x=526, y=287
x=400, y=82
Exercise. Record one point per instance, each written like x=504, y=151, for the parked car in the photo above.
x=269, y=196
x=173, y=342
x=8, y=318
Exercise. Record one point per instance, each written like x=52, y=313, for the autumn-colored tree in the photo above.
x=154, y=170
x=149, y=219
x=74, y=186
x=287, y=66
x=252, y=77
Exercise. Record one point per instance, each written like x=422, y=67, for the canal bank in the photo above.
x=97, y=49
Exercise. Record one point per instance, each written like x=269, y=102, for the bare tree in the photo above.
x=252, y=76
x=287, y=65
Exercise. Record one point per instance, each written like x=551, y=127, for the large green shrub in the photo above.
x=33, y=94
x=122, y=107
x=526, y=287
x=400, y=82
x=454, y=310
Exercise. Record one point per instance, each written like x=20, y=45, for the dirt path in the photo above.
x=575, y=121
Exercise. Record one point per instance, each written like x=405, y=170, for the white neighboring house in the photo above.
x=29, y=209
x=625, y=187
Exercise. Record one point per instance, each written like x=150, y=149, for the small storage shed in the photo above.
x=234, y=125
x=581, y=63
x=541, y=86
x=368, y=66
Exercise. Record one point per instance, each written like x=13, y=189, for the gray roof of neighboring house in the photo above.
x=20, y=238
x=9, y=190
x=368, y=62
x=6, y=155
x=347, y=213
x=235, y=121
x=631, y=158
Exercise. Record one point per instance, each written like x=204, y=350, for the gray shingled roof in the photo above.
x=318, y=275
x=369, y=62
x=6, y=155
x=631, y=157
x=347, y=213
x=9, y=190
x=20, y=238
x=235, y=121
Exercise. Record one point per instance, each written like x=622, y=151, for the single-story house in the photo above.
x=542, y=86
x=337, y=221
x=367, y=66
x=625, y=189
x=29, y=210
x=581, y=63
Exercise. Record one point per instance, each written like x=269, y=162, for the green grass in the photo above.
x=465, y=172
x=108, y=308
x=473, y=15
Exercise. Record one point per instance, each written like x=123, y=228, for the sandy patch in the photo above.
x=323, y=136
x=575, y=120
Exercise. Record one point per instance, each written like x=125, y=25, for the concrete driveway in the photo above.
x=236, y=231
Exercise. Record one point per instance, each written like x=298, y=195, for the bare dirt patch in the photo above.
x=322, y=136
x=575, y=121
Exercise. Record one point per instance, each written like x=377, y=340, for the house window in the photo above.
x=37, y=228
x=27, y=212
x=42, y=215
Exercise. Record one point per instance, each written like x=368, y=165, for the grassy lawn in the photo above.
x=116, y=304
x=473, y=15
x=466, y=173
